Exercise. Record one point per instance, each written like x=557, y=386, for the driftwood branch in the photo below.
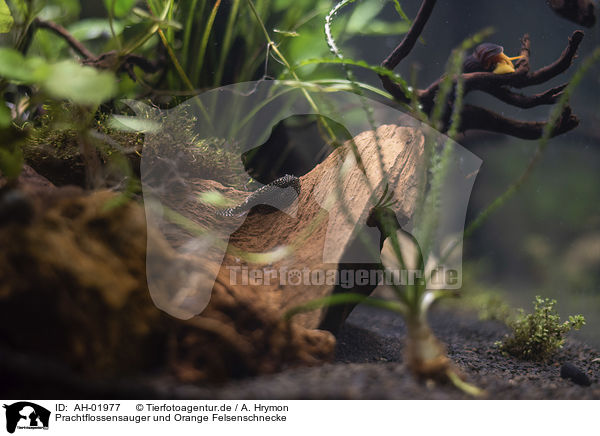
x=111, y=60
x=407, y=44
x=64, y=34
x=478, y=118
x=498, y=85
x=582, y=12
x=522, y=101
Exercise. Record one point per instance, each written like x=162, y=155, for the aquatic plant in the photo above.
x=177, y=38
x=441, y=104
x=538, y=335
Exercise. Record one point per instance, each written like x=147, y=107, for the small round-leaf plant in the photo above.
x=538, y=335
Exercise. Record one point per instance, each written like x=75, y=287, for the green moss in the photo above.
x=193, y=154
x=538, y=335
x=53, y=146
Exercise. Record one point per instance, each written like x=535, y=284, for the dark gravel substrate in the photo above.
x=369, y=366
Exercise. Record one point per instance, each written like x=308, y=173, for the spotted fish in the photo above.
x=279, y=194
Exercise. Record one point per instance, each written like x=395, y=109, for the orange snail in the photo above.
x=489, y=57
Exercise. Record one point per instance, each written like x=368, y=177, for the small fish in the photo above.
x=279, y=194
x=489, y=57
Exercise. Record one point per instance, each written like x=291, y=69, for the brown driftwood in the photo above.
x=320, y=247
x=497, y=85
x=111, y=60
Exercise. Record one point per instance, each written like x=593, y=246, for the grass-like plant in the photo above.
x=425, y=355
x=538, y=335
x=188, y=29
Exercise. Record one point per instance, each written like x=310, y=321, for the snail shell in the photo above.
x=483, y=58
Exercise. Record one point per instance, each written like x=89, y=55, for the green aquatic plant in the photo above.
x=442, y=105
x=189, y=32
x=425, y=355
x=538, y=335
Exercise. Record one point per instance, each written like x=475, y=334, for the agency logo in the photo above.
x=24, y=415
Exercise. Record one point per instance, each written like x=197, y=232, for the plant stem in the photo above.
x=425, y=354
x=467, y=388
x=287, y=65
x=111, y=19
x=175, y=61
x=151, y=31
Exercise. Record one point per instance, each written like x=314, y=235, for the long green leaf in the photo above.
x=346, y=298
x=345, y=84
x=187, y=33
x=205, y=37
x=346, y=61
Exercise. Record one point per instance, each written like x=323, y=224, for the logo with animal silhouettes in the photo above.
x=24, y=415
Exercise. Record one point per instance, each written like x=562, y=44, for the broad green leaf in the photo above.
x=11, y=63
x=14, y=66
x=133, y=124
x=379, y=27
x=61, y=11
x=311, y=45
x=6, y=18
x=121, y=7
x=363, y=14
x=84, y=85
